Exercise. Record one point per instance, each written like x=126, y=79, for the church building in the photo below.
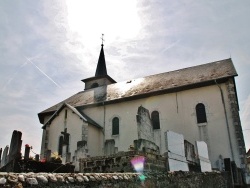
x=107, y=117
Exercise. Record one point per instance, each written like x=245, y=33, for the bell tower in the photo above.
x=101, y=77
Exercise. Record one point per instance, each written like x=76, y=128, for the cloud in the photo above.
x=62, y=39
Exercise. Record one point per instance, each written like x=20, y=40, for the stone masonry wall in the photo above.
x=120, y=162
x=236, y=118
x=108, y=180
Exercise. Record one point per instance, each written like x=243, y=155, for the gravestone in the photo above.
x=189, y=151
x=81, y=152
x=203, y=156
x=5, y=156
x=144, y=124
x=37, y=157
x=109, y=147
x=27, y=152
x=15, y=146
x=48, y=155
x=176, y=151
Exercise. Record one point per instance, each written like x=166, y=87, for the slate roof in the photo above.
x=173, y=81
x=101, y=65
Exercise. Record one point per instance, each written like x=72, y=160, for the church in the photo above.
x=107, y=117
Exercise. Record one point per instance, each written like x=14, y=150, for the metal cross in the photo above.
x=102, y=39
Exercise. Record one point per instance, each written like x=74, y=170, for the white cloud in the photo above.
x=63, y=40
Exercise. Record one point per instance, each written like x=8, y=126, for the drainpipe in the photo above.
x=227, y=124
x=104, y=122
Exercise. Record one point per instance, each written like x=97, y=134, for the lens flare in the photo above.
x=138, y=163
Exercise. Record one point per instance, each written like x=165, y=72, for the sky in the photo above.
x=47, y=47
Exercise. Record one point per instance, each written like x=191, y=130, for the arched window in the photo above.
x=201, y=113
x=60, y=147
x=155, y=120
x=115, y=126
x=94, y=85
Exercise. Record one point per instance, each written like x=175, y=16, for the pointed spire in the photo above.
x=101, y=66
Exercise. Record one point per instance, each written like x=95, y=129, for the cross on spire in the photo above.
x=102, y=39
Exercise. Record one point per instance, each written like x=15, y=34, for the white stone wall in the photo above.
x=74, y=127
x=177, y=113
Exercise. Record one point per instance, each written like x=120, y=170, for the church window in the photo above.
x=60, y=147
x=155, y=120
x=115, y=126
x=94, y=85
x=65, y=115
x=201, y=113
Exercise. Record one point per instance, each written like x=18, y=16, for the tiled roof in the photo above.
x=150, y=85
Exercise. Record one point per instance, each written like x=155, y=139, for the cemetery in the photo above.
x=180, y=167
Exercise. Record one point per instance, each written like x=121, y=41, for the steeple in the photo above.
x=101, y=77
x=101, y=69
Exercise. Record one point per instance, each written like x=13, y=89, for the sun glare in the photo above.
x=117, y=19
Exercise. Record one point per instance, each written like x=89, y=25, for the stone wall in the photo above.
x=105, y=180
x=232, y=96
x=120, y=162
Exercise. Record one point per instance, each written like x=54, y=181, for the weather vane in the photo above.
x=102, y=39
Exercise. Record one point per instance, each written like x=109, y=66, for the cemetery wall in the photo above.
x=129, y=180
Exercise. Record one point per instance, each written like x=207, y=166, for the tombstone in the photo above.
x=37, y=157
x=176, y=152
x=15, y=146
x=228, y=168
x=144, y=124
x=203, y=156
x=81, y=152
x=109, y=147
x=5, y=156
x=189, y=151
x=27, y=152
x=68, y=157
x=220, y=163
x=48, y=155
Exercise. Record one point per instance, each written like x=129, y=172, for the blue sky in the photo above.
x=47, y=47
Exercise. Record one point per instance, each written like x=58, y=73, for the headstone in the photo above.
x=27, y=152
x=220, y=163
x=109, y=147
x=203, y=156
x=5, y=156
x=189, y=151
x=228, y=167
x=81, y=152
x=144, y=124
x=48, y=155
x=15, y=146
x=37, y=157
x=64, y=153
x=176, y=152
x=227, y=163
x=68, y=157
